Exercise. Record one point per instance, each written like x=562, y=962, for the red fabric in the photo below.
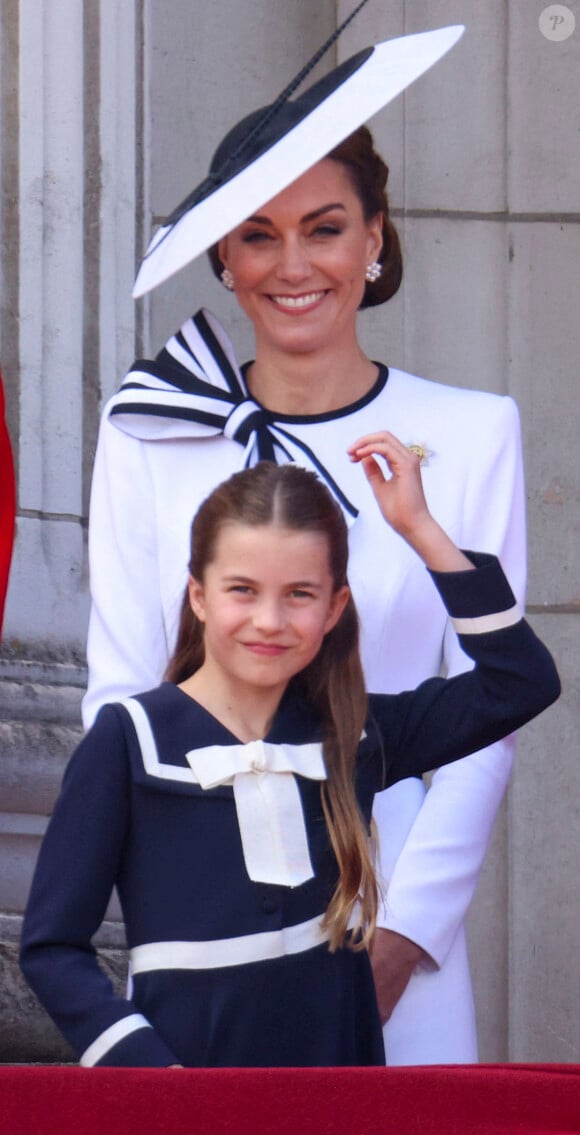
x=7, y=505
x=493, y=1099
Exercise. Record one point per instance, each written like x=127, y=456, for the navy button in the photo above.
x=269, y=906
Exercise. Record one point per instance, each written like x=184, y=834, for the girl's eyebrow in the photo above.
x=258, y=219
x=238, y=579
x=292, y=583
x=306, y=583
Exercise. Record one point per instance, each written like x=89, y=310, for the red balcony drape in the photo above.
x=495, y=1099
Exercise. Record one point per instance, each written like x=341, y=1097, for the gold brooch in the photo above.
x=421, y=451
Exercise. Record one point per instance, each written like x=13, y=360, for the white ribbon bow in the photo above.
x=268, y=804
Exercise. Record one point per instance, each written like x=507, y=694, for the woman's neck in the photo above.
x=309, y=383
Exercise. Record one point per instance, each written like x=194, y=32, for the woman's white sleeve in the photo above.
x=434, y=878
x=127, y=648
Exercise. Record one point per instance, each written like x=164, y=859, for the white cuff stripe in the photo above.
x=111, y=1037
x=229, y=951
x=483, y=624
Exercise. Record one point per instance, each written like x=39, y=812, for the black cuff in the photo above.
x=469, y=594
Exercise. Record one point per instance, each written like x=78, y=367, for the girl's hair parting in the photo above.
x=333, y=684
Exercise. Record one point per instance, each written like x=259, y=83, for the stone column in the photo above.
x=71, y=100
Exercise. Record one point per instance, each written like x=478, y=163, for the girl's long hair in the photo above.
x=333, y=683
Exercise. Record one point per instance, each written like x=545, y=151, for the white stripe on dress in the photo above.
x=111, y=1037
x=483, y=624
x=222, y=952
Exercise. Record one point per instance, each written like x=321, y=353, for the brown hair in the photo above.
x=333, y=683
x=369, y=174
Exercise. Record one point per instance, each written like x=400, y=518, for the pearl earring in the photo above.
x=227, y=279
x=373, y=272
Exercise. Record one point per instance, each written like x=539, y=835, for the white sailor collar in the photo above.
x=267, y=799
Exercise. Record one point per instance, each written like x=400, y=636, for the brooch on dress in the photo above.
x=422, y=451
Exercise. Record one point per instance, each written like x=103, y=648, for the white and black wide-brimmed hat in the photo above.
x=275, y=145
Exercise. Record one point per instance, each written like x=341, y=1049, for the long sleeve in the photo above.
x=79, y=862
x=434, y=879
x=514, y=679
x=127, y=647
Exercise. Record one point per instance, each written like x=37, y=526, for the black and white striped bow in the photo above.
x=194, y=388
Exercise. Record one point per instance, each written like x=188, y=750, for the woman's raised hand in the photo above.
x=401, y=499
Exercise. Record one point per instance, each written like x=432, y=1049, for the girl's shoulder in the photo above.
x=161, y=727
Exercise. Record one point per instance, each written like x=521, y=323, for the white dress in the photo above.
x=152, y=472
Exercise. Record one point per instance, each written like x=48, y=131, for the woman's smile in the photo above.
x=298, y=304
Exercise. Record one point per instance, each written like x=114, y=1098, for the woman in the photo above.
x=300, y=267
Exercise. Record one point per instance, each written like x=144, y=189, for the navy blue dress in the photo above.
x=228, y=971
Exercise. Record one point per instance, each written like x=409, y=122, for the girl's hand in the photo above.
x=399, y=497
x=402, y=502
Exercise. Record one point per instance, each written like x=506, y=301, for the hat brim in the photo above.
x=390, y=68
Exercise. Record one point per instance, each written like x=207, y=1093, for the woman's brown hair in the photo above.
x=333, y=683
x=368, y=173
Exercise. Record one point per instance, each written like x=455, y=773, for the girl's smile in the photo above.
x=268, y=648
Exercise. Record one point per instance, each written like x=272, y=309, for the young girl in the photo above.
x=231, y=805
